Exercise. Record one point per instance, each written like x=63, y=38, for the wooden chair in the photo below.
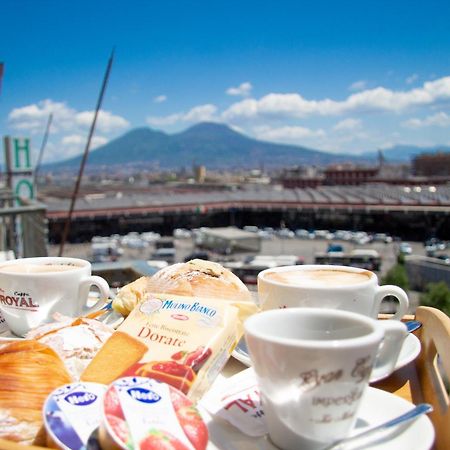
x=433, y=369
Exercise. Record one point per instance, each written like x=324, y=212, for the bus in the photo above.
x=364, y=258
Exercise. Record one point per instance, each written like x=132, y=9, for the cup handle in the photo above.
x=394, y=334
x=398, y=293
x=85, y=285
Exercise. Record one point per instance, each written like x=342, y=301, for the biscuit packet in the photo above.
x=182, y=341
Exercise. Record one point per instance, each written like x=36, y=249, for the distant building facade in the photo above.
x=432, y=164
x=349, y=175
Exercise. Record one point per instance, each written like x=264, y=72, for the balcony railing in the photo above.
x=23, y=227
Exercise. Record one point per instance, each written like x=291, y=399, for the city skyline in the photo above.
x=331, y=77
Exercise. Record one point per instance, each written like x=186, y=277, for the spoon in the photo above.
x=421, y=408
x=413, y=325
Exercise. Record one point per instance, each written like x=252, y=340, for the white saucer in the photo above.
x=409, y=352
x=377, y=406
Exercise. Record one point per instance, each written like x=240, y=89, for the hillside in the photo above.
x=211, y=144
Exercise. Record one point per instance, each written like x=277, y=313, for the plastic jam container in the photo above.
x=142, y=413
x=71, y=413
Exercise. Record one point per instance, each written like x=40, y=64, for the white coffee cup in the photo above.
x=32, y=289
x=327, y=286
x=313, y=365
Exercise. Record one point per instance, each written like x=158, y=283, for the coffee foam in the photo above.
x=37, y=268
x=319, y=277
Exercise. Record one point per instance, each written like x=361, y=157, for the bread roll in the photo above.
x=196, y=278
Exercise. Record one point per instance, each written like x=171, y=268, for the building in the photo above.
x=348, y=174
x=432, y=164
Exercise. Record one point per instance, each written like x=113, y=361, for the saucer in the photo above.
x=409, y=352
x=377, y=406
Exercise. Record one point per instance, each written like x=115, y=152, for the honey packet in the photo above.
x=182, y=341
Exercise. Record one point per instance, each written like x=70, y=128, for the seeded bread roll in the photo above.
x=196, y=278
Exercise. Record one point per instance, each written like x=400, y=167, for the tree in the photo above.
x=437, y=295
x=397, y=275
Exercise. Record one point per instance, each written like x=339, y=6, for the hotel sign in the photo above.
x=18, y=167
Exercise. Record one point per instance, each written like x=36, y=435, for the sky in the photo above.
x=338, y=76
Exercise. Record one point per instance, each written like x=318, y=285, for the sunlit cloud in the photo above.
x=440, y=119
x=348, y=125
x=69, y=129
x=243, y=90
x=358, y=85
x=412, y=78
x=160, y=99
x=201, y=113
x=293, y=105
x=287, y=134
x=34, y=118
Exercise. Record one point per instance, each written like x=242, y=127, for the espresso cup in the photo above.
x=326, y=286
x=32, y=289
x=313, y=365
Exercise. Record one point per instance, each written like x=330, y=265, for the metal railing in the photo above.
x=23, y=227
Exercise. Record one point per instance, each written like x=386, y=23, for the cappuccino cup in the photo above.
x=32, y=289
x=327, y=286
x=313, y=366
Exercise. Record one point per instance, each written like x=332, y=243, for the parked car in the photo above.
x=405, y=248
x=197, y=255
x=164, y=254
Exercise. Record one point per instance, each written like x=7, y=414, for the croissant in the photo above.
x=29, y=371
x=196, y=278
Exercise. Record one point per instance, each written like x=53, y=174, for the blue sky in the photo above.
x=347, y=76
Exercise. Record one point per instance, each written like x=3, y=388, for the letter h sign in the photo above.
x=18, y=168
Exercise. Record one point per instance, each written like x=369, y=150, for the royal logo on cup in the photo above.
x=33, y=289
x=19, y=300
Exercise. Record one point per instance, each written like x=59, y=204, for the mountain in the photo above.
x=211, y=144
x=404, y=153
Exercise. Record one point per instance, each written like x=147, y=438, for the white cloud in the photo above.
x=358, y=85
x=287, y=134
x=412, y=78
x=293, y=105
x=201, y=113
x=440, y=119
x=33, y=118
x=80, y=140
x=106, y=122
x=160, y=99
x=68, y=133
x=243, y=90
x=347, y=125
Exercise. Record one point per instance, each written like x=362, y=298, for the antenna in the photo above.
x=44, y=143
x=85, y=154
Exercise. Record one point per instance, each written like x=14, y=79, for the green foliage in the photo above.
x=401, y=259
x=438, y=296
x=397, y=275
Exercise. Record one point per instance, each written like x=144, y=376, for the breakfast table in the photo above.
x=426, y=379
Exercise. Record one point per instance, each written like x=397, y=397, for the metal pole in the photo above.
x=85, y=155
x=41, y=151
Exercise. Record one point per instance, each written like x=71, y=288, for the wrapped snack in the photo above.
x=196, y=278
x=76, y=341
x=29, y=371
x=141, y=413
x=187, y=342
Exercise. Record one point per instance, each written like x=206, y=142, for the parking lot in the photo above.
x=302, y=248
